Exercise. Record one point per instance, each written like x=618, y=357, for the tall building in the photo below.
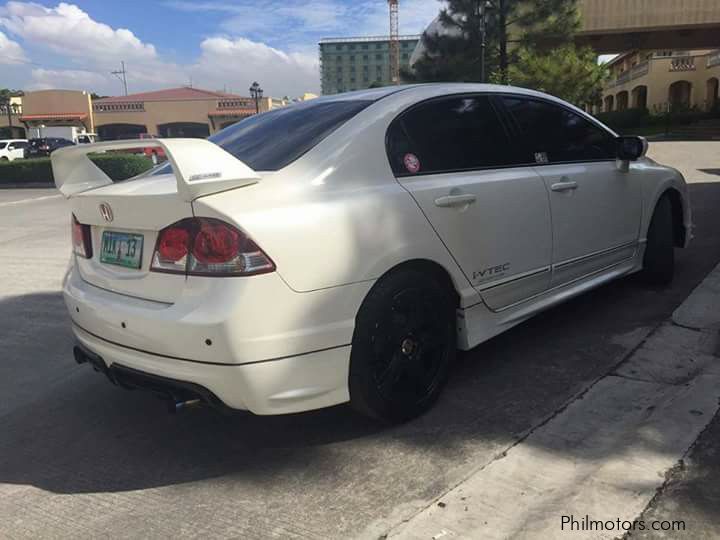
x=356, y=63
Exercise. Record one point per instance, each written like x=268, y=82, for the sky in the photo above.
x=213, y=44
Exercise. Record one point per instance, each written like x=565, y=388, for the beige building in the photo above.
x=10, y=118
x=176, y=112
x=658, y=80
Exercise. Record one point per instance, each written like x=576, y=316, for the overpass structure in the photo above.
x=615, y=26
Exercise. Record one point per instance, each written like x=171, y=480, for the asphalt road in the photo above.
x=80, y=458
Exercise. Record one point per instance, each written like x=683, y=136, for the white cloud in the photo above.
x=296, y=18
x=279, y=73
x=68, y=30
x=68, y=79
x=10, y=51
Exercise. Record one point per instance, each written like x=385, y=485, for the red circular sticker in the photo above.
x=412, y=163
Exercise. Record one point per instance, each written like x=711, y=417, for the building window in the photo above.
x=352, y=47
x=366, y=57
x=405, y=56
x=338, y=47
x=378, y=46
x=352, y=58
x=378, y=57
x=365, y=46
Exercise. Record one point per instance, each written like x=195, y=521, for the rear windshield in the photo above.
x=273, y=140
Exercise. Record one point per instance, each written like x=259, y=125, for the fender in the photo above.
x=674, y=181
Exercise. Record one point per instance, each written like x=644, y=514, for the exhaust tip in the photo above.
x=178, y=406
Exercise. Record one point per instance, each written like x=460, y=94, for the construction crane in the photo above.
x=394, y=42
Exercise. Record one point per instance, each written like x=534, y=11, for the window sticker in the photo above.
x=412, y=163
x=541, y=157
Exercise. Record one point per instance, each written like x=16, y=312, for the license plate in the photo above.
x=121, y=249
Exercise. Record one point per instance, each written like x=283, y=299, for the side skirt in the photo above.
x=478, y=323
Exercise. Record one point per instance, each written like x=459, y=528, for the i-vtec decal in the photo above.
x=205, y=176
x=491, y=272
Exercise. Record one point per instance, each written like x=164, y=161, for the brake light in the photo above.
x=81, y=239
x=208, y=247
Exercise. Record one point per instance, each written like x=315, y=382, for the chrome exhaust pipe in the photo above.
x=178, y=406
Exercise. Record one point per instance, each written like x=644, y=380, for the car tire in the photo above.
x=403, y=346
x=659, y=260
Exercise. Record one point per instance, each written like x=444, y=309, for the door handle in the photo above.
x=564, y=186
x=453, y=201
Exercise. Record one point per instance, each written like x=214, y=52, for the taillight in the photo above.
x=81, y=239
x=208, y=247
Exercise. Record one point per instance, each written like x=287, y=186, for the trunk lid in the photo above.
x=135, y=211
x=139, y=207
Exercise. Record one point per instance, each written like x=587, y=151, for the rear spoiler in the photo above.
x=200, y=166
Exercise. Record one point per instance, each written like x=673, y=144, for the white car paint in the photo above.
x=10, y=151
x=334, y=222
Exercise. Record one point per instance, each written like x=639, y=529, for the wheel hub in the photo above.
x=408, y=346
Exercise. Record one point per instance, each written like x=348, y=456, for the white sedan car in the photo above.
x=342, y=249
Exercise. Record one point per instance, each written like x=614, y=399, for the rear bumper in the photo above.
x=219, y=320
x=282, y=386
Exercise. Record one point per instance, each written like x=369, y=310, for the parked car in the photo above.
x=156, y=154
x=343, y=249
x=11, y=149
x=45, y=146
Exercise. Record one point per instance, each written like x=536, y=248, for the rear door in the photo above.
x=596, y=207
x=454, y=156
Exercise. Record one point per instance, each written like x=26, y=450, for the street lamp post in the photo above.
x=257, y=93
x=483, y=6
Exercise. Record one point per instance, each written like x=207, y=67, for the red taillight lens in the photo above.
x=173, y=245
x=208, y=247
x=216, y=243
x=81, y=239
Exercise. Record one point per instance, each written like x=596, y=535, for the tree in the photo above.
x=568, y=72
x=511, y=25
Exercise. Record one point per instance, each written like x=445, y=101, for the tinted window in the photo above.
x=2, y=145
x=270, y=141
x=558, y=134
x=449, y=134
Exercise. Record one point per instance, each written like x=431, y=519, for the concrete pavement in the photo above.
x=591, y=471
x=80, y=458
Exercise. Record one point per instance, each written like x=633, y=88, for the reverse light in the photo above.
x=208, y=247
x=81, y=239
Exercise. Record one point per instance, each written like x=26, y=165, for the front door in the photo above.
x=596, y=207
x=456, y=159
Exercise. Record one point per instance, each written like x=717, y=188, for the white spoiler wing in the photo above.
x=200, y=166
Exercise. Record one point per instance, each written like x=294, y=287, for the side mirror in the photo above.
x=631, y=148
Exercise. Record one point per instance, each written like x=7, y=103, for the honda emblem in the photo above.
x=106, y=212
